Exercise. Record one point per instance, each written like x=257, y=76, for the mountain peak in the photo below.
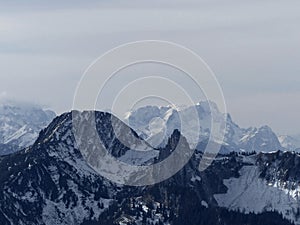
x=208, y=106
x=265, y=128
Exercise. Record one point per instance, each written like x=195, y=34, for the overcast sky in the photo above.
x=252, y=46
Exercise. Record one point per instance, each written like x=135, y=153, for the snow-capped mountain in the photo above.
x=51, y=183
x=156, y=124
x=20, y=124
x=291, y=143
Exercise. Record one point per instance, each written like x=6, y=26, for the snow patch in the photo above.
x=249, y=193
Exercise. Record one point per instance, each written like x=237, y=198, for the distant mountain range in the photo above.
x=20, y=124
x=156, y=124
x=291, y=143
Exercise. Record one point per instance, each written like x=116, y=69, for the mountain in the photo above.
x=291, y=143
x=156, y=124
x=51, y=182
x=20, y=124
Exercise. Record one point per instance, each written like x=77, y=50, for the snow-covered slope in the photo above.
x=156, y=124
x=20, y=124
x=291, y=143
x=269, y=183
